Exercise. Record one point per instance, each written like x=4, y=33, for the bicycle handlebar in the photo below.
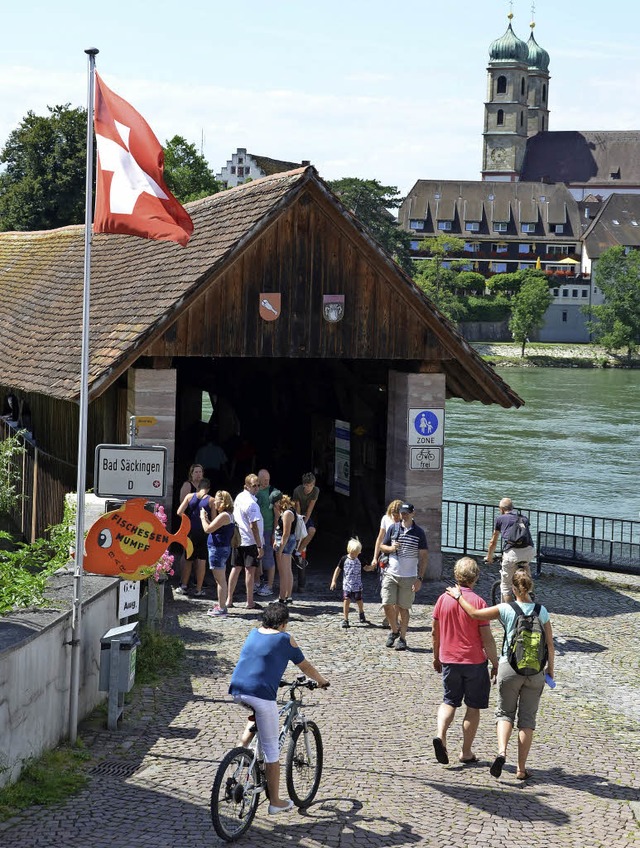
x=302, y=682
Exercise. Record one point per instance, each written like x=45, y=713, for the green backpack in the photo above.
x=527, y=653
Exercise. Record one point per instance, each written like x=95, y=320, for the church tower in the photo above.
x=506, y=118
x=538, y=63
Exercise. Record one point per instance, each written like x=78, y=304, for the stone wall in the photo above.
x=35, y=660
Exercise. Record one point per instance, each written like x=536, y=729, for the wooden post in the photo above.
x=34, y=496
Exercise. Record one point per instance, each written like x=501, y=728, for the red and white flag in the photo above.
x=131, y=195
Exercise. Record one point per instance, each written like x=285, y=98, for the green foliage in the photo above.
x=46, y=781
x=529, y=307
x=24, y=568
x=11, y=451
x=488, y=308
x=160, y=654
x=617, y=320
x=43, y=185
x=511, y=283
x=187, y=172
x=470, y=282
x=370, y=202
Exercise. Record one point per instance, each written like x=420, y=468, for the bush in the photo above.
x=487, y=309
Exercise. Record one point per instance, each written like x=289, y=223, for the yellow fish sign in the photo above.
x=129, y=541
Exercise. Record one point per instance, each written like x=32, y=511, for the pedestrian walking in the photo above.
x=351, y=569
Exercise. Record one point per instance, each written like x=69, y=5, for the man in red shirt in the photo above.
x=461, y=648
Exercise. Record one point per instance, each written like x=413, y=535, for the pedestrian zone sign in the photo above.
x=425, y=427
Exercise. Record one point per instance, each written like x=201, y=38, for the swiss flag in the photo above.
x=131, y=195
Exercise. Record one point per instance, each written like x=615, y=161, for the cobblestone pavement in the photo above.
x=381, y=784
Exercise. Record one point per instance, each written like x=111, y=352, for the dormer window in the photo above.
x=500, y=226
x=445, y=225
x=558, y=228
x=416, y=224
x=615, y=175
x=472, y=226
x=528, y=228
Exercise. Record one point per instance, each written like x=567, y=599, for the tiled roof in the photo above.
x=583, y=158
x=134, y=284
x=617, y=223
x=273, y=166
x=138, y=287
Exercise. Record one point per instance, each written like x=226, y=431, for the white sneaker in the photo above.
x=263, y=590
x=273, y=811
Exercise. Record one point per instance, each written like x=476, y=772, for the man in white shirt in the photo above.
x=247, y=515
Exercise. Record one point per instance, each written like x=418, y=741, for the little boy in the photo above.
x=351, y=570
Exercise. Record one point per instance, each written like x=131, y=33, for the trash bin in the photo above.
x=129, y=640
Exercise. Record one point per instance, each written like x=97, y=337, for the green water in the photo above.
x=574, y=447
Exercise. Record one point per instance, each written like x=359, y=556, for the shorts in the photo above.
x=247, y=555
x=310, y=523
x=199, y=548
x=289, y=548
x=218, y=556
x=518, y=692
x=397, y=590
x=468, y=681
x=511, y=559
x=267, y=720
x=353, y=596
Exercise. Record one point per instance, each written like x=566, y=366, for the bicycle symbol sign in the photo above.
x=426, y=427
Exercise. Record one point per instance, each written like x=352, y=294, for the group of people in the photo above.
x=256, y=531
x=463, y=648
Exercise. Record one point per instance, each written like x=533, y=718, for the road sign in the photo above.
x=425, y=459
x=425, y=427
x=130, y=471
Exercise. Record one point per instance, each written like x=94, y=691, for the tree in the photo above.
x=370, y=202
x=43, y=186
x=617, y=324
x=529, y=306
x=187, y=172
x=439, y=281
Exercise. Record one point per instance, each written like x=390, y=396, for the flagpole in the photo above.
x=76, y=618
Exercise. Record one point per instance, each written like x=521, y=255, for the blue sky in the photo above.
x=391, y=91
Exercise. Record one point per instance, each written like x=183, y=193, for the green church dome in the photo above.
x=509, y=48
x=538, y=57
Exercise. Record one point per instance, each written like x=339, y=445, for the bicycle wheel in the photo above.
x=233, y=800
x=304, y=764
x=496, y=594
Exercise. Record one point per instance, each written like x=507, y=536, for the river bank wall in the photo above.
x=541, y=355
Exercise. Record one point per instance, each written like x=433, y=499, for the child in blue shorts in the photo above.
x=351, y=569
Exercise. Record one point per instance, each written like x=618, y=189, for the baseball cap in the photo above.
x=275, y=496
x=406, y=507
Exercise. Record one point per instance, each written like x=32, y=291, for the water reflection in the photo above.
x=574, y=447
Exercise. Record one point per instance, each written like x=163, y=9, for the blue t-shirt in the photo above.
x=508, y=619
x=221, y=538
x=193, y=511
x=263, y=659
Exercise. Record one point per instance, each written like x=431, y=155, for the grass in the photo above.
x=159, y=655
x=46, y=781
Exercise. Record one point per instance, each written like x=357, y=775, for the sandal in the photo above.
x=496, y=766
x=523, y=775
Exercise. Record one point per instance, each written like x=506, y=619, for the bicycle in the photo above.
x=241, y=777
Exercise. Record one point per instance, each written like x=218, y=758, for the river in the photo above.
x=573, y=447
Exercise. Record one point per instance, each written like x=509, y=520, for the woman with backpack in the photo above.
x=284, y=541
x=527, y=649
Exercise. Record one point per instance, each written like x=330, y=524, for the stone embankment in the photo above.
x=538, y=354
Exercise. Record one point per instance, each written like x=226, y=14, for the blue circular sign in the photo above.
x=425, y=423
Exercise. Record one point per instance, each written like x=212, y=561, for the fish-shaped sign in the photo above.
x=130, y=540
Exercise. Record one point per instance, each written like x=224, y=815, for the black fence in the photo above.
x=467, y=527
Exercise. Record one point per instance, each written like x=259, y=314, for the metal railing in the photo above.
x=467, y=527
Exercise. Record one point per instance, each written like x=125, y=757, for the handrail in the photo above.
x=467, y=527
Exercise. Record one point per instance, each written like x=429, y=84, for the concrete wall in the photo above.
x=35, y=664
x=486, y=331
x=422, y=488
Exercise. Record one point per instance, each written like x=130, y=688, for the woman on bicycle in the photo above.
x=516, y=692
x=263, y=659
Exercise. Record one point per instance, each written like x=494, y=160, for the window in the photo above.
x=524, y=248
x=574, y=293
x=521, y=118
x=240, y=160
x=564, y=317
x=542, y=127
x=444, y=225
x=544, y=93
x=446, y=263
x=500, y=226
x=501, y=87
x=415, y=224
x=233, y=169
x=472, y=226
x=472, y=246
x=415, y=244
x=499, y=267
x=558, y=228
x=240, y=171
x=522, y=86
x=555, y=292
x=500, y=117
x=558, y=249
x=522, y=266
x=528, y=228
x=499, y=247
x=585, y=292
x=565, y=292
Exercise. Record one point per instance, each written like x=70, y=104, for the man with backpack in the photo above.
x=517, y=545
